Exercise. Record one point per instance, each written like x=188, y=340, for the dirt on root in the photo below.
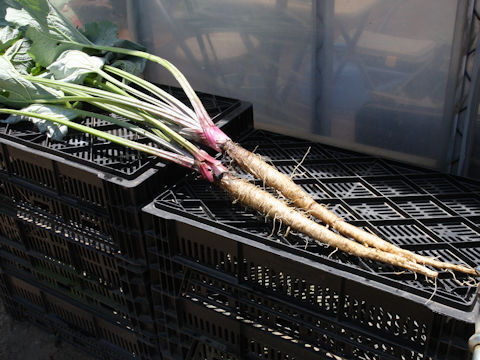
x=20, y=340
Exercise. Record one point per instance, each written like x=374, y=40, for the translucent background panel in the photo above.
x=370, y=75
x=260, y=51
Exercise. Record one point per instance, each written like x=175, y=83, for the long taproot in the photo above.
x=255, y=165
x=254, y=197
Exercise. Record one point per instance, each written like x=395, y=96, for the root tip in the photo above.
x=477, y=271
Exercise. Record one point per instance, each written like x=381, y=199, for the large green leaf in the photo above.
x=17, y=92
x=19, y=18
x=8, y=35
x=50, y=20
x=4, y=5
x=46, y=26
x=19, y=57
x=73, y=66
x=46, y=49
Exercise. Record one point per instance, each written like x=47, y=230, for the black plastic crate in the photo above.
x=132, y=311
x=127, y=239
x=91, y=181
x=76, y=263
x=69, y=209
x=242, y=322
x=360, y=308
x=72, y=322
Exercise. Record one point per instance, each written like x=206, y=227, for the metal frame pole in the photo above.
x=459, y=100
x=322, y=65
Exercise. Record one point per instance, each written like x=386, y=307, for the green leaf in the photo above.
x=19, y=57
x=132, y=64
x=73, y=66
x=101, y=33
x=37, y=69
x=37, y=8
x=18, y=92
x=53, y=130
x=50, y=20
x=8, y=35
x=46, y=49
x=105, y=33
x=3, y=9
x=46, y=26
x=19, y=17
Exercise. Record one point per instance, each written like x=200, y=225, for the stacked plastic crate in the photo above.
x=72, y=250
x=228, y=284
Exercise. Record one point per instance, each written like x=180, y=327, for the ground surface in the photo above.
x=22, y=341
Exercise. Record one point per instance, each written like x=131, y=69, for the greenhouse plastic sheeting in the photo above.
x=370, y=75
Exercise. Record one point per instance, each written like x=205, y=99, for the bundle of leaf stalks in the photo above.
x=50, y=71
